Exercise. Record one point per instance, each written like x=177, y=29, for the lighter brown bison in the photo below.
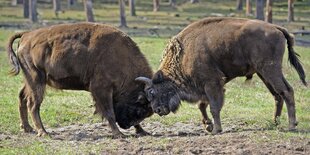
x=207, y=54
x=92, y=57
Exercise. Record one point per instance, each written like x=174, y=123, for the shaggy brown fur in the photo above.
x=93, y=57
x=209, y=53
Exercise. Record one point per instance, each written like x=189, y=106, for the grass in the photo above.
x=247, y=105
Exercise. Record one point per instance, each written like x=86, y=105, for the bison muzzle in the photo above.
x=92, y=57
x=207, y=54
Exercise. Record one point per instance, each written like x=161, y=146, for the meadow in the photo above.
x=247, y=115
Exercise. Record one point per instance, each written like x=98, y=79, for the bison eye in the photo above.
x=150, y=94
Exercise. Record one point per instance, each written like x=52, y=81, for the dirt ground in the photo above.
x=180, y=138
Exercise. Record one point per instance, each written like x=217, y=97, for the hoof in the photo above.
x=118, y=135
x=277, y=121
x=26, y=128
x=215, y=132
x=292, y=126
x=292, y=129
x=209, y=127
x=142, y=133
x=42, y=133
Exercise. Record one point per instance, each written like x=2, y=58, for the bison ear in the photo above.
x=145, y=80
x=158, y=77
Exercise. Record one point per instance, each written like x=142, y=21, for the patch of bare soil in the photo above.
x=180, y=138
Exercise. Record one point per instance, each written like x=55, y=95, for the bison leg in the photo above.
x=36, y=81
x=274, y=77
x=104, y=106
x=33, y=105
x=215, y=93
x=140, y=131
x=278, y=100
x=23, y=113
x=206, y=121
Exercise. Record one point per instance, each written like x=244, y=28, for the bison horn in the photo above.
x=145, y=80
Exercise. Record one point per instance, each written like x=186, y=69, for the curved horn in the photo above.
x=145, y=80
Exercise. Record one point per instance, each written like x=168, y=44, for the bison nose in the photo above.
x=157, y=110
x=161, y=111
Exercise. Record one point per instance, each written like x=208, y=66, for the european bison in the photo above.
x=209, y=53
x=92, y=57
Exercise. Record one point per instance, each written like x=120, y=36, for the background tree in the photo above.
x=15, y=2
x=290, y=16
x=156, y=5
x=33, y=11
x=123, y=22
x=260, y=9
x=239, y=6
x=88, y=6
x=194, y=1
x=57, y=7
x=70, y=3
x=132, y=7
x=26, y=8
x=248, y=8
x=269, y=11
x=172, y=3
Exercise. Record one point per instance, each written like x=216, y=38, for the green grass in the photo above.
x=247, y=105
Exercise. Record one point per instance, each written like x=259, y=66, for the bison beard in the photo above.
x=207, y=54
x=92, y=57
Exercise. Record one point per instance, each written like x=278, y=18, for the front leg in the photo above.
x=140, y=131
x=104, y=106
x=206, y=121
x=215, y=93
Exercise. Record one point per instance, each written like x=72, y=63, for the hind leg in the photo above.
x=34, y=103
x=275, y=79
x=23, y=113
x=35, y=81
x=206, y=121
x=278, y=100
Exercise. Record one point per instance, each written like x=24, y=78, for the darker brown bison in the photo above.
x=207, y=54
x=92, y=57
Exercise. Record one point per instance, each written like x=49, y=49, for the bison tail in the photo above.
x=12, y=56
x=293, y=57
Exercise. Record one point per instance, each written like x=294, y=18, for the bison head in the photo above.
x=162, y=93
x=132, y=112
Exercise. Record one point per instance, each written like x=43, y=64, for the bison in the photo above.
x=92, y=57
x=207, y=54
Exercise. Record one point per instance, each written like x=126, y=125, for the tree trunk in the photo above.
x=269, y=11
x=57, y=7
x=260, y=9
x=26, y=8
x=290, y=17
x=123, y=22
x=14, y=2
x=88, y=6
x=33, y=11
x=248, y=8
x=194, y=1
x=155, y=5
x=132, y=7
x=70, y=3
x=173, y=3
x=239, y=6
